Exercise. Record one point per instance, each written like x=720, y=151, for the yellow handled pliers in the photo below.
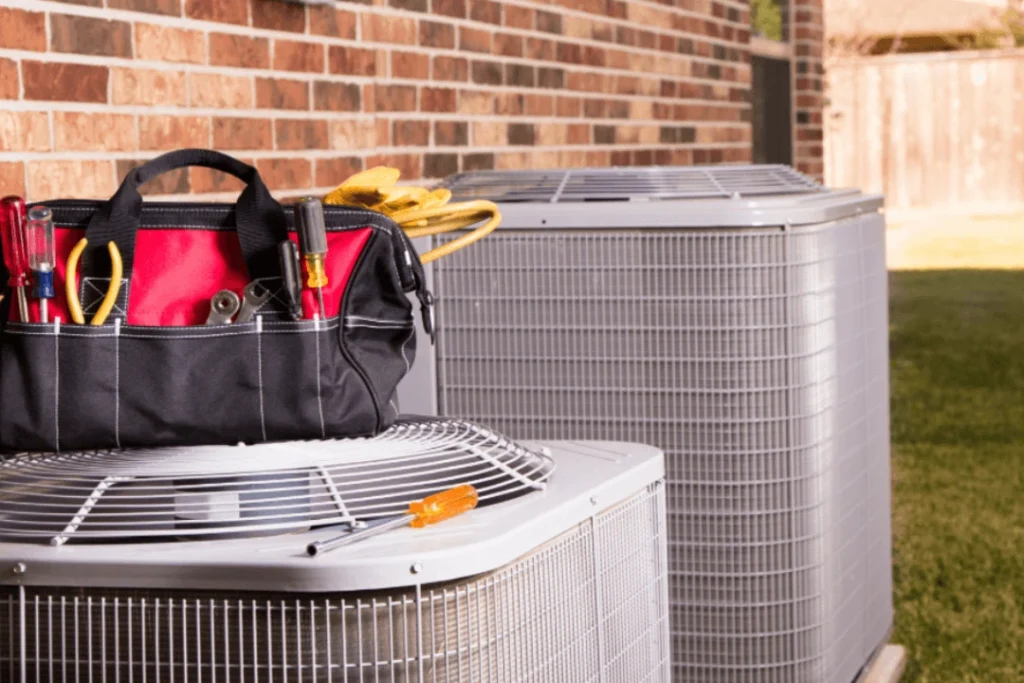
x=71, y=285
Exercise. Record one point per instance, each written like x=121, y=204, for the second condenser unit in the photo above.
x=735, y=317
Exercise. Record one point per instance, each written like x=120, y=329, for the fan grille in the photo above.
x=239, y=491
x=592, y=599
x=623, y=184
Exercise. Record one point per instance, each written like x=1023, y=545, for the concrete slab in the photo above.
x=887, y=667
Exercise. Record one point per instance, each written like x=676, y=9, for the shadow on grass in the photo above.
x=957, y=340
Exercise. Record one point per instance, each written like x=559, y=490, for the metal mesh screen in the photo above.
x=593, y=598
x=757, y=359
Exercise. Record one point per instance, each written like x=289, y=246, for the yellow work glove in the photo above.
x=420, y=212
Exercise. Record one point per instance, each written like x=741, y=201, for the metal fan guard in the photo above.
x=218, y=492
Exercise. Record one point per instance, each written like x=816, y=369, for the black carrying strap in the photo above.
x=259, y=218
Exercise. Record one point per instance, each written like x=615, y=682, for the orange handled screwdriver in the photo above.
x=430, y=510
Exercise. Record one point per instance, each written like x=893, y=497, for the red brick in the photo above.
x=451, y=133
x=12, y=178
x=450, y=8
x=410, y=65
x=474, y=39
x=440, y=165
x=9, y=81
x=286, y=174
x=64, y=82
x=329, y=96
x=480, y=161
x=395, y=97
x=24, y=132
x=450, y=69
x=173, y=132
x=369, y=98
x=279, y=16
x=169, y=44
x=148, y=87
x=272, y=93
x=240, y=51
x=490, y=133
x=356, y=134
x=352, y=61
x=410, y=5
x=294, y=56
x=487, y=73
x=411, y=133
x=486, y=11
x=230, y=133
x=89, y=36
x=77, y=131
x=578, y=134
x=21, y=30
x=549, y=22
x=325, y=20
x=540, y=48
x=519, y=17
x=437, y=34
x=333, y=172
x=569, y=107
x=172, y=182
x=408, y=165
x=207, y=180
x=473, y=102
x=300, y=134
x=171, y=8
x=224, y=11
x=379, y=28
x=441, y=100
x=49, y=179
x=220, y=91
x=508, y=44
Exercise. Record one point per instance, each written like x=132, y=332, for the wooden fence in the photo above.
x=929, y=130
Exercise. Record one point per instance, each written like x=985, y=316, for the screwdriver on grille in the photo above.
x=12, y=235
x=430, y=510
x=41, y=257
x=312, y=229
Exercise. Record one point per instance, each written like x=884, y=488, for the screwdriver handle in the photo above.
x=442, y=506
x=311, y=226
x=291, y=276
x=12, y=236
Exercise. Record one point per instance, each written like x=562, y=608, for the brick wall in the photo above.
x=88, y=88
x=808, y=46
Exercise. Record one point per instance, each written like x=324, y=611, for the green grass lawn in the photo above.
x=957, y=340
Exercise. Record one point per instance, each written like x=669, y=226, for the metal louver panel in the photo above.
x=757, y=359
x=590, y=605
x=625, y=184
x=204, y=492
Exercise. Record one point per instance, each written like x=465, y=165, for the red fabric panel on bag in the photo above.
x=177, y=271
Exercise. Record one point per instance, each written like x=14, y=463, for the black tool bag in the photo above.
x=155, y=374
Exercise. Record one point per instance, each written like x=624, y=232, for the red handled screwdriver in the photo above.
x=12, y=236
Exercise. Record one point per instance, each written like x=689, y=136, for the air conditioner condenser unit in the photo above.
x=735, y=317
x=192, y=566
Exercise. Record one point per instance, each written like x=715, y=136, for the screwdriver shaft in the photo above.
x=321, y=547
x=23, y=304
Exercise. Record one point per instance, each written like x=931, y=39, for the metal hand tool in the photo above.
x=312, y=228
x=223, y=307
x=12, y=238
x=113, y=289
x=42, y=257
x=430, y=510
x=254, y=296
x=291, y=277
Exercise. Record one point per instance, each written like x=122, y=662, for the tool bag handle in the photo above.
x=259, y=219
